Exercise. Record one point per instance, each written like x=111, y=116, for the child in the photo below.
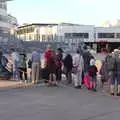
x=93, y=74
x=29, y=70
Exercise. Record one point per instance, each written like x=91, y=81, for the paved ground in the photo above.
x=4, y=83
x=63, y=103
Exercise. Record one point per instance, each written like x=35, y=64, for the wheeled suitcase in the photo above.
x=44, y=73
x=87, y=81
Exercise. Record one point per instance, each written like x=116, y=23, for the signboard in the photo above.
x=102, y=41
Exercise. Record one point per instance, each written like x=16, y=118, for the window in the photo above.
x=105, y=35
x=30, y=37
x=4, y=18
x=117, y=35
x=3, y=5
x=43, y=37
x=76, y=35
x=68, y=35
x=25, y=30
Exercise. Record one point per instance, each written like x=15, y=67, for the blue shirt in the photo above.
x=35, y=57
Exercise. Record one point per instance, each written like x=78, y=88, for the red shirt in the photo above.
x=48, y=54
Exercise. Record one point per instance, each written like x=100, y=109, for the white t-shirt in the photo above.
x=15, y=56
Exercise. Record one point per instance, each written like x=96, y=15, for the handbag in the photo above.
x=64, y=70
x=87, y=81
x=74, y=70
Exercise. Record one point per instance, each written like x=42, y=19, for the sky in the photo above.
x=88, y=12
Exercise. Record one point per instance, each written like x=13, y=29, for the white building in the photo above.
x=107, y=37
x=107, y=34
x=67, y=33
x=6, y=21
x=72, y=34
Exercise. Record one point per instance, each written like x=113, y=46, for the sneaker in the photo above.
x=26, y=81
x=94, y=90
x=89, y=88
x=78, y=87
x=118, y=94
x=33, y=82
x=112, y=94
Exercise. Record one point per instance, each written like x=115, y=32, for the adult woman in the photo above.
x=50, y=64
x=68, y=64
x=23, y=67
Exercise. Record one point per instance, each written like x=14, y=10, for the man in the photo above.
x=15, y=60
x=110, y=64
x=87, y=57
x=59, y=58
x=35, y=66
x=117, y=71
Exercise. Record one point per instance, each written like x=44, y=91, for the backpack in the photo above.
x=87, y=57
x=58, y=61
x=110, y=62
x=29, y=63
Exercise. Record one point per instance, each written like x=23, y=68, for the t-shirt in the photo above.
x=92, y=70
x=35, y=57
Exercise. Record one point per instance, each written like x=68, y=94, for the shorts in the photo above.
x=111, y=77
x=94, y=78
x=118, y=77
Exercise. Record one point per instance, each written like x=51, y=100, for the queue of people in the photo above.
x=79, y=68
x=75, y=67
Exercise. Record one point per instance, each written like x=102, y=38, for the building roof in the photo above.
x=4, y=0
x=37, y=24
x=50, y=24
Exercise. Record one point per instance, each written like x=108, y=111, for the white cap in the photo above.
x=116, y=50
x=92, y=62
x=112, y=52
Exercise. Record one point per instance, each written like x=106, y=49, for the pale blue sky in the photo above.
x=94, y=12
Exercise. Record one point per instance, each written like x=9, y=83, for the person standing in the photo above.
x=35, y=59
x=15, y=59
x=93, y=74
x=117, y=72
x=9, y=63
x=4, y=72
x=23, y=67
x=50, y=65
x=111, y=68
x=59, y=57
x=29, y=65
x=87, y=57
x=68, y=64
x=78, y=64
